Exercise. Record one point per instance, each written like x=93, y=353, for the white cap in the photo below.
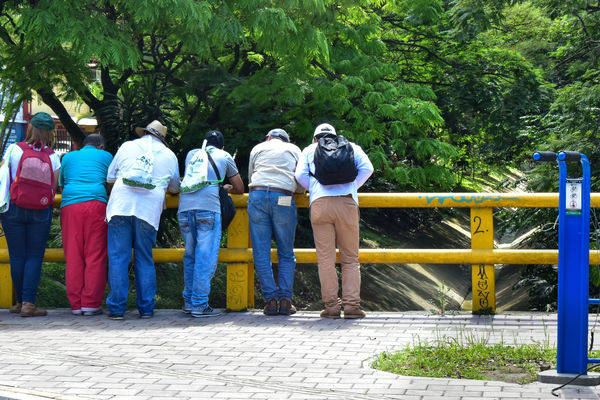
x=324, y=128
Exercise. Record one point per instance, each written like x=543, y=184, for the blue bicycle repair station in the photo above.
x=573, y=263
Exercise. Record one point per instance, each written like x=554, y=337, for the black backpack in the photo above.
x=334, y=160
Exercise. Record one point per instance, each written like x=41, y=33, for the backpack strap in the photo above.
x=23, y=145
x=48, y=150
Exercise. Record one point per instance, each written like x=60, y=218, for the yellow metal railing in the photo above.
x=482, y=255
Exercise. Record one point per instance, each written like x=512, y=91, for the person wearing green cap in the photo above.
x=27, y=228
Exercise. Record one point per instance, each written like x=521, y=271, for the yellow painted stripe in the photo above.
x=371, y=256
x=423, y=200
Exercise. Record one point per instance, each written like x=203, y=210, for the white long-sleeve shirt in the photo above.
x=306, y=165
x=273, y=163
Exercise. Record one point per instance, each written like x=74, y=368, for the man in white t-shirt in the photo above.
x=133, y=214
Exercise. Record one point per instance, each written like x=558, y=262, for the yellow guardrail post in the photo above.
x=483, y=276
x=6, y=287
x=240, y=275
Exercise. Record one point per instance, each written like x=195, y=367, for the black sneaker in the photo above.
x=115, y=316
x=146, y=316
x=207, y=311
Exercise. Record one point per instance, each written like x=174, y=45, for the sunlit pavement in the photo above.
x=249, y=356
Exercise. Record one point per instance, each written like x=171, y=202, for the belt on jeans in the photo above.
x=271, y=189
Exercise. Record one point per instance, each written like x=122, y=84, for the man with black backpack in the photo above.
x=332, y=169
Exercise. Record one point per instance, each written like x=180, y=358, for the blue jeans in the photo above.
x=26, y=233
x=268, y=218
x=125, y=233
x=201, y=232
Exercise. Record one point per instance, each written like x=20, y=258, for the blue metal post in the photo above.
x=573, y=273
x=573, y=263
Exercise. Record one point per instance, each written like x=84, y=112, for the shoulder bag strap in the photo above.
x=214, y=167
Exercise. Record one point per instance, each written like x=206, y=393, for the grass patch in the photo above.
x=470, y=355
x=515, y=364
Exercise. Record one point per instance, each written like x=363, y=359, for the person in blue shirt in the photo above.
x=82, y=219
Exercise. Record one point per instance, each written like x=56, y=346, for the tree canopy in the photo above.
x=369, y=67
x=433, y=90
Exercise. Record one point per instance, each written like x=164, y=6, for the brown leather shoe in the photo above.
x=271, y=308
x=354, y=313
x=30, y=310
x=330, y=314
x=286, y=307
x=16, y=308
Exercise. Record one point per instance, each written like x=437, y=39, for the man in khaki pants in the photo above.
x=334, y=214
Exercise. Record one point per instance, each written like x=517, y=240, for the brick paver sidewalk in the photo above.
x=246, y=356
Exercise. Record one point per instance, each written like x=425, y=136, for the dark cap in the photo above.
x=42, y=120
x=215, y=138
x=279, y=134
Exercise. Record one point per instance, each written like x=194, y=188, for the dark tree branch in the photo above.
x=582, y=22
x=590, y=8
x=579, y=52
x=107, y=83
x=331, y=74
x=418, y=46
x=91, y=100
x=126, y=74
x=426, y=82
x=58, y=107
x=236, y=59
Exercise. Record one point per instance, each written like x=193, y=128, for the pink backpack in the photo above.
x=33, y=186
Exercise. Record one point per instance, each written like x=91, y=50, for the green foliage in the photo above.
x=241, y=66
x=52, y=291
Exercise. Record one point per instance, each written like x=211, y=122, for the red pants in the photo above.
x=84, y=241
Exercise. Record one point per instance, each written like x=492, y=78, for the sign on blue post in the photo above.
x=16, y=134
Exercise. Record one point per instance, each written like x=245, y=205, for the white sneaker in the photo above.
x=94, y=311
x=207, y=311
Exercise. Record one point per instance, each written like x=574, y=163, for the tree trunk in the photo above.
x=57, y=106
